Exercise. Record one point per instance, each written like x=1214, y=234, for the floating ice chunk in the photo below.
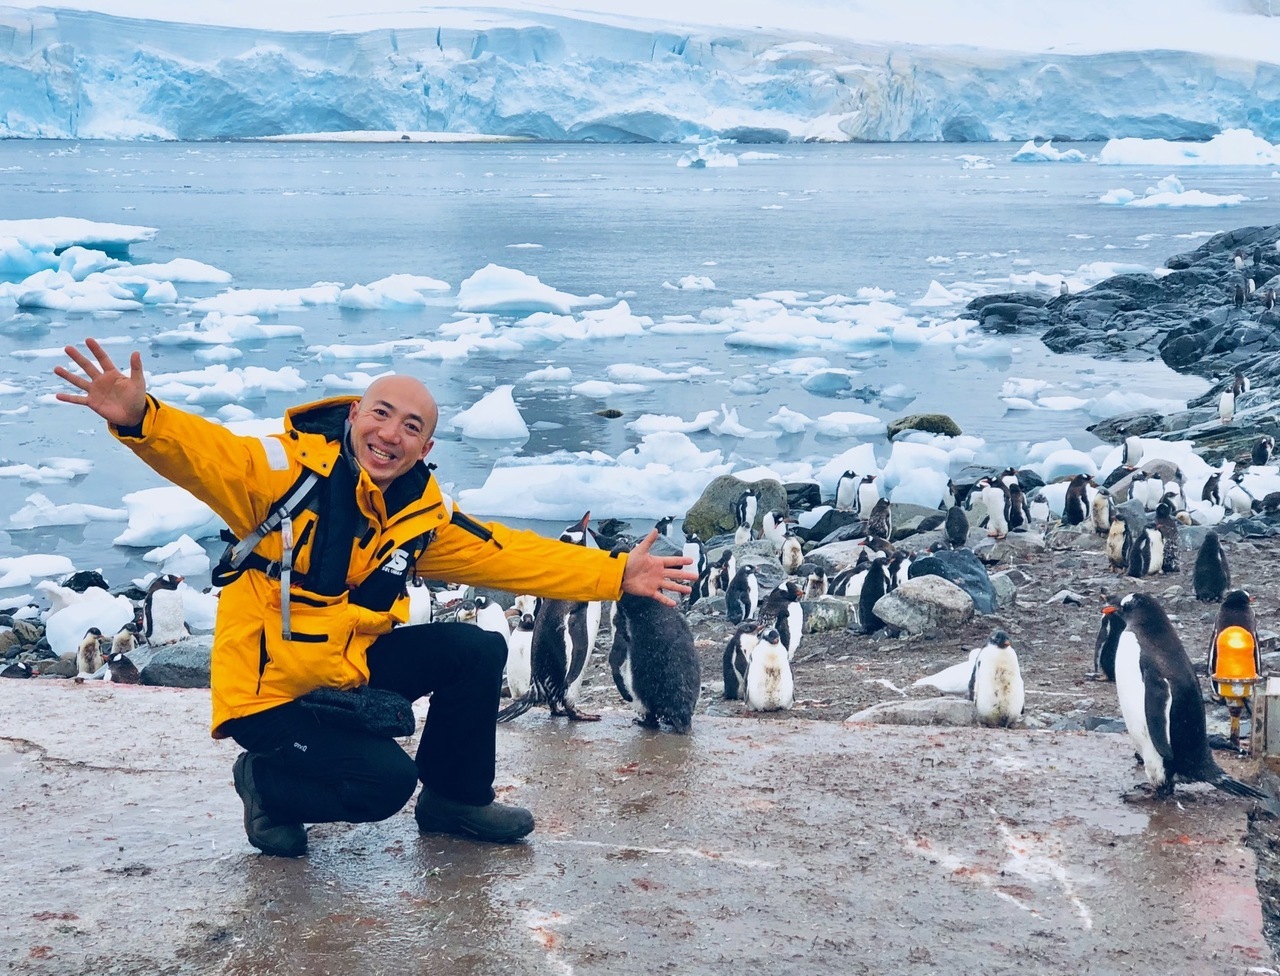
x=633, y=373
x=799, y=367
x=873, y=294
x=158, y=516
x=707, y=156
x=218, y=384
x=728, y=425
x=394, y=291
x=40, y=512
x=1121, y=402
x=671, y=449
x=1063, y=463
x=21, y=570
x=184, y=270
x=908, y=458
x=848, y=424
x=937, y=296
x=649, y=423
x=926, y=488
x=81, y=262
x=1169, y=192
x=353, y=382
x=233, y=413
x=549, y=374
x=49, y=471
x=269, y=301
x=684, y=325
x=497, y=289
x=1017, y=386
x=183, y=557
x=973, y=161
x=691, y=283
x=494, y=416
x=60, y=233
x=217, y=328
x=60, y=292
x=789, y=421
x=219, y=354
x=830, y=382
x=1045, y=153
x=1232, y=147
x=602, y=390
x=1062, y=403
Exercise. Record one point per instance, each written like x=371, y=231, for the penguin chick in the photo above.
x=661, y=662
x=1161, y=702
x=816, y=583
x=781, y=610
x=1211, y=577
x=792, y=554
x=491, y=617
x=1167, y=526
x=126, y=639
x=1100, y=510
x=742, y=598
x=880, y=521
x=770, y=686
x=519, y=646
x=956, y=527
x=89, y=656
x=737, y=655
x=1119, y=541
x=995, y=687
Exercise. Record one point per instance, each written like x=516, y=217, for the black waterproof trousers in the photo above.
x=309, y=772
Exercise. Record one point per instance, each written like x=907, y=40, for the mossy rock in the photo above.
x=712, y=514
x=930, y=423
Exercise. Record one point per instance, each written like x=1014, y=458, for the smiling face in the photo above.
x=391, y=427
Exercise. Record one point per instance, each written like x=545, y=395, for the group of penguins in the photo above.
x=159, y=620
x=1246, y=288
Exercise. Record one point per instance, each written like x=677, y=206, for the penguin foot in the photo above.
x=1140, y=793
x=646, y=721
x=577, y=716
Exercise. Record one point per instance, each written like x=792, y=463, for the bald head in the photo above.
x=392, y=426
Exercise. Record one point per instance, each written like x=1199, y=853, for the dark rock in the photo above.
x=84, y=579
x=181, y=665
x=931, y=423
x=712, y=514
x=832, y=521
x=803, y=496
x=1116, y=429
x=965, y=569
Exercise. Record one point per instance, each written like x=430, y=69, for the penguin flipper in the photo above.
x=621, y=684
x=1157, y=705
x=973, y=678
x=1236, y=788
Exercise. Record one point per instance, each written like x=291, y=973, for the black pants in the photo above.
x=308, y=772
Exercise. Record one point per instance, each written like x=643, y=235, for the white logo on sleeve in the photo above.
x=396, y=563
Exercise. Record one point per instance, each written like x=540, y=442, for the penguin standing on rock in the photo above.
x=1211, y=577
x=737, y=656
x=1212, y=492
x=564, y=632
x=847, y=492
x=956, y=527
x=743, y=595
x=1019, y=513
x=1263, y=449
x=995, y=686
x=121, y=670
x=724, y=570
x=880, y=521
x=89, y=655
x=1146, y=553
x=816, y=582
x=163, y=618
x=1100, y=510
x=744, y=512
x=792, y=554
x=995, y=496
x=868, y=495
x=126, y=639
x=1075, y=507
x=770, y=686
x=1161, y=702
x=1104, y=648
x=1131, y=456
x=657, y=662
x=696, y=553
x=491, y=617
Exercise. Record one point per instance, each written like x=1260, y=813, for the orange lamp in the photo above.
x=1237, y=663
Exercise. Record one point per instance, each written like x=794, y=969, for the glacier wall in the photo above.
x=74, y=74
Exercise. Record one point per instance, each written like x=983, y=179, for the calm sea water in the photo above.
x=611, y=220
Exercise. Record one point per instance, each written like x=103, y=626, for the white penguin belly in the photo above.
x=998, y=693
x=1133, y=707
x=795, y=627
x=769, y=683
x=519, y=662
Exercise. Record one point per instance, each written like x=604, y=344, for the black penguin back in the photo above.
x=1109, y=631
x=874, y=587
x=665, y=673
x=1075, y=508
x=957, y=527
x=1211, y=577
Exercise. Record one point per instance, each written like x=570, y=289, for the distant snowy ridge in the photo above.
x=74, y=74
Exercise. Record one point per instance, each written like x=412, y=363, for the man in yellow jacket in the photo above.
x=317, y=602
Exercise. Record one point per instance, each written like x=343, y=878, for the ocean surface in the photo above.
x=613, y=221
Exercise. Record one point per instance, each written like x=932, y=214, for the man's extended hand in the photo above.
x=116, y=398
x=648, y=575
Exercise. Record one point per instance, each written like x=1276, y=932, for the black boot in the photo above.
x=497, y=822
x=281, y=840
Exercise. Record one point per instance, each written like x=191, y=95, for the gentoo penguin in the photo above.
x=899, y=568
x=1237, y=296
x=421, y=601
x=89, y=656
x=696, y=553
x=126, y=639
x=1104, y=648
x=744, y=511
x=995, y=687
x=1236, y=611
x=816, y=582
x=658, y=662
x=121, y=670
x=725, y=568
x=1211, y=577
x=1141, y=486
x=848, y=582
x=1131, y=456
x=769, y=683
x=163, y=619
x=1269, y=299
x=1226, y=406
x=1167, y=526
x=875, y=584
x=792, y=554
x=17, y=669
x=665, y=526
x=1240, y=499
x=1019, y=513
x=1063, y=288
x=1039, y=511
x=847, y=491
x=491, y=617
x=466, y=612
x=956, y=527
x=1119, y=542
x=868, y=495
x=880, y=521
x=1146, y=553
x=1257, y=255
x=743, y=595
x=564, y=632
x=773, y=528
x=1100, y=510
x=519, y=656
x=781, y=610
x=1262, y=450
x=742, y=535
x=1075, y=507
x=1238, y=260
x=737, y=655
x=1010, y=476
x=995, y=495
x=1211, y=491
x=1161, y=703
x=1240, y=383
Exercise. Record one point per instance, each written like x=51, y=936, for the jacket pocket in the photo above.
x=315, y=653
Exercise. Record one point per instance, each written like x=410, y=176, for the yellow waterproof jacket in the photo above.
x=242, y=478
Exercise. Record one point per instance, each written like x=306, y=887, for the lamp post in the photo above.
x=1235, y=672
